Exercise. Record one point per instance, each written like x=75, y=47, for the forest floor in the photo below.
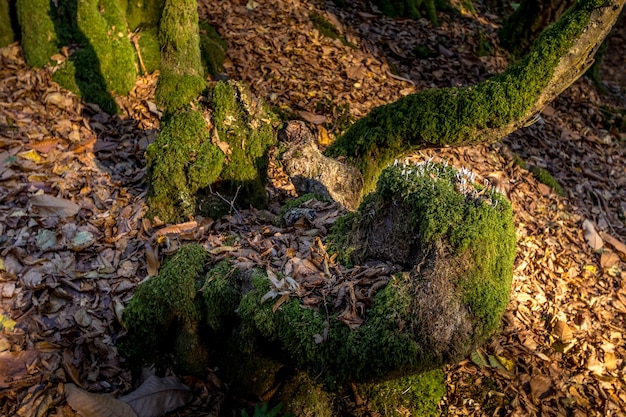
x=74, y=242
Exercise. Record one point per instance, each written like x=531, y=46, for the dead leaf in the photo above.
x=608, y=259
x=152, y=259
x=591, y=236
x=48, y=205
x=540, y=386
x=618, y=245
x=562, y=331
x=96, y=405
x=14, y=366
x=315, y=119
x=158, y=396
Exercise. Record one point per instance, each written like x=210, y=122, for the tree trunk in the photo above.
x=524, y=26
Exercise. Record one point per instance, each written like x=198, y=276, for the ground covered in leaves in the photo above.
x=74, y=243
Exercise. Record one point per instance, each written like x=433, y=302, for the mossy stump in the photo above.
x=223, y=139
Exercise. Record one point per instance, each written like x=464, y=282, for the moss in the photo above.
x=543, y=176
x=7, y=30
x=221, y=294
x=180, y=162
x=212, y=49
x=304, y=397
x=150, y=49
x=144, y=13
x=247, y=127
x=182, y=76
x=456, y=116
x=163, y=304
x=327, y=29
x=175, y=91
x=415, y=395
x=517, y=160
x=39, y=38
x=423, y=52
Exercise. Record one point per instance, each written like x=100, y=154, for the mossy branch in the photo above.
x=488, y=111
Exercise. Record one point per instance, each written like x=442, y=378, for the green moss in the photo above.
x=423, y=52
x=517, y=160
x=180, y=162
x=325, y=28
x=182, y=76
x=456, y=116
x=150, y=49
x=543, y=176
x=144, y=13
x=247, y=127
x=460, y=234
x=39, y=38
x=175, y=91
x=304, y=397
x=162, y=304
x=7, y=30
x=221, y=294
x=415, y=395
x=212, y=48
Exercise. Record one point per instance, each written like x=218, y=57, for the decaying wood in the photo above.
x=312, y=172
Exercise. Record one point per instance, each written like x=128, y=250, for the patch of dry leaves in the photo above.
x=74, y=243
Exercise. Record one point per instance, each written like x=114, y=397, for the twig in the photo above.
x=232, y=205
x=135, y=39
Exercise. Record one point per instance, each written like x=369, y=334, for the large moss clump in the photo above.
x=226, y=140
x=455, y=239
x=7, y=32
x=458, y=116
x=181, y=161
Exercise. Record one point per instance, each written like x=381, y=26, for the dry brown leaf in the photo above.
x=283, y=299
x=14, y=366
x=540, y=386
x=152, y=259
x=315, y=119
x=608, y=259
x=591, y=236
x=96, y=405
x=48, y=205
x=618, y=245
x=562, y=331
x=158, y=396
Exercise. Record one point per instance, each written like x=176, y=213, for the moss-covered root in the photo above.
x=416, y=395
x=7, y=34
x=39, y=38
x=164, y=306
x=212, y=48
x=181, y=161
x=411, y=8
x=182, y=76
x=462, y=116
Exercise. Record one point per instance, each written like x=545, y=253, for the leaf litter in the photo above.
x=75, y=243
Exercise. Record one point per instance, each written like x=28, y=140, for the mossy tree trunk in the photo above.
x=525, y=25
